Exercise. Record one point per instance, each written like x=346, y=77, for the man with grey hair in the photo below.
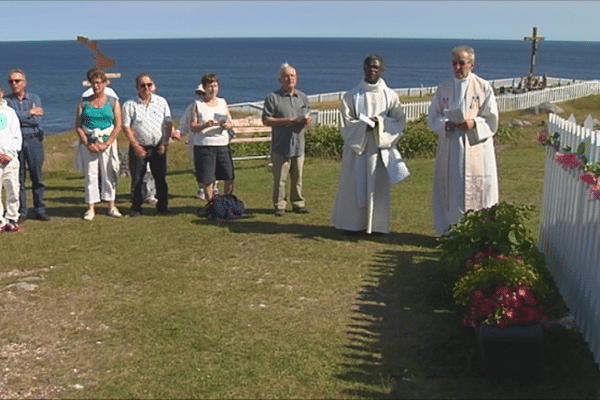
x=28, y=107
x=286, y=111
x=464, y=113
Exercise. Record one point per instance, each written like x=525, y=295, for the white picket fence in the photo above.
x=552, y=95
x=507, y=102
x=568, y=90
x=570, y=230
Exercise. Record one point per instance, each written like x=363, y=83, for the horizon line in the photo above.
x=285, y=37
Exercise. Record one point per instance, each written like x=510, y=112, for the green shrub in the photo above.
x=500, y=227
x=250, y=148
x=324, y=141
x=509, y=134
x=418, y=140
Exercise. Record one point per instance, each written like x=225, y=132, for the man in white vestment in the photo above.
x=464, y=114
x=372, y=121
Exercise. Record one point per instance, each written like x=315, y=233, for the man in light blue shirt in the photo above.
x=28, y=107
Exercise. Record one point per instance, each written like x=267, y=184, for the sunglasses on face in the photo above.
x=15, y=80
x=148, y=85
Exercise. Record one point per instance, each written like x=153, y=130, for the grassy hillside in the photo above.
x=180, y=307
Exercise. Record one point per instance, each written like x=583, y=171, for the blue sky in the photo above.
x=512, y=20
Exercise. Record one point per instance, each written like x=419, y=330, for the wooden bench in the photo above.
x=246, y=130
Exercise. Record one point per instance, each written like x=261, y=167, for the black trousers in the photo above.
x=158, y=168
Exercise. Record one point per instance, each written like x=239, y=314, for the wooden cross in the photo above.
x=102, y=61
x=534, y=45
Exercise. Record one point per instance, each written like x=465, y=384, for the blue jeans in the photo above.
x=32, y=155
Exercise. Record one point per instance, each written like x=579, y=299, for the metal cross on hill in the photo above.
x=534, y=45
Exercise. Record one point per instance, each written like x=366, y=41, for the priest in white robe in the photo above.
x=372, y=121
x=464, y=114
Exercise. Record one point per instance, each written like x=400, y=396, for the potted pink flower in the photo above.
x=504, y=287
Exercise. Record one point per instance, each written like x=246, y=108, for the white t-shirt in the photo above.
x=214, y=135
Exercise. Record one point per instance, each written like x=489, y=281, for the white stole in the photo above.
x=470, y=96
x=386, y=138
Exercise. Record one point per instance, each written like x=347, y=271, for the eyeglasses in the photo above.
x=148, y=85
x=15, y=80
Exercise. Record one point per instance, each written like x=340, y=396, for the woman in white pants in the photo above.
x=10, y=144
x=98, y=123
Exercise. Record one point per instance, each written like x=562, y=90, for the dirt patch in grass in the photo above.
x=42, y=348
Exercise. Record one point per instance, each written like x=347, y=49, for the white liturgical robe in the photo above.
x=371, y=162
x=465, y=176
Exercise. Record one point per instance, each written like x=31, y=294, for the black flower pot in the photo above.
x=514, y=353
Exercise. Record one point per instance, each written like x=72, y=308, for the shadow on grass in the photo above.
x=308, y=231
x=406, y=341
x=406, y=337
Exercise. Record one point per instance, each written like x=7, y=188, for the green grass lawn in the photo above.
x=180, y=307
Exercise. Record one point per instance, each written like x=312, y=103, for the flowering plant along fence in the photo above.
x=570, y=221
x=507, y=293
x=502, y=279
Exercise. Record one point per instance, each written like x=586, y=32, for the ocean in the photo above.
x=247, y=67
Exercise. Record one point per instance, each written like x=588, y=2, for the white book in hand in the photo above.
x=455, y=115
x=366, y=120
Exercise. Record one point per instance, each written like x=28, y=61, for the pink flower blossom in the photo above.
x=478, y=295
x=590, y=178
x=595, y=191
x=568, y=159
x=510, y=314
x=505, y=305
x=522, y=292
x=501, y=257
x=542, y=136
x=502, y=290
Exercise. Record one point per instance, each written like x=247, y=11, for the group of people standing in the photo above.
x=463, y=112
x=146, y=120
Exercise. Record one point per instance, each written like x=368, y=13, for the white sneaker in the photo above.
x=200, y=194
x=89, y=215
x=151, y=200
x=114, y=212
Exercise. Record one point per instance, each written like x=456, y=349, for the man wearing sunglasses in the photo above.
x=29, y=110
x=147, y=124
